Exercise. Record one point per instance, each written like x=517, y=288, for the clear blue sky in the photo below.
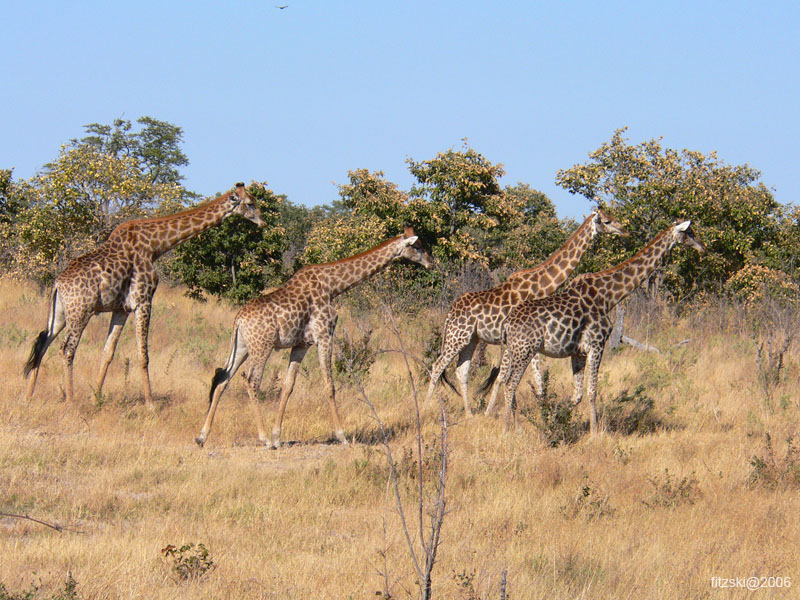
x=296, y=97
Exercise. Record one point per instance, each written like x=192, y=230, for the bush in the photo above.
x=754, y=284
x=190, y=562
x=353, y=357
x=555, y=419
x=770, y=472
x=671, y=493
x=68, y=593
x=630, y=413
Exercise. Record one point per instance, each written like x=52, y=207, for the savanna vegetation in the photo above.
x=695, y=476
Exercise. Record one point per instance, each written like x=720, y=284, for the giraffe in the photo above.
x=574, y=322
x=297, y=315
x=119, y=277
x=477, y=317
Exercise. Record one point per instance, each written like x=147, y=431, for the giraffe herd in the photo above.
x=524, y=314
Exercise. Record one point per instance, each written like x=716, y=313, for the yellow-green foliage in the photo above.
x=756, y=284
x=656, y=514
x=76, y=202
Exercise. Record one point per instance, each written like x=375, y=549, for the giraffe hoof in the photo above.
x=200, y=440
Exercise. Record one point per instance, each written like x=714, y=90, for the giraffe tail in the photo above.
x=37, y=353
x=224, y=374
x=487, y=385
x=220, y=375
x=448, y=382
x=43, y=339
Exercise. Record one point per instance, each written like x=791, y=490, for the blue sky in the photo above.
x=299, y=96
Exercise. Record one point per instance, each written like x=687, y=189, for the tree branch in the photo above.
x=56, y=526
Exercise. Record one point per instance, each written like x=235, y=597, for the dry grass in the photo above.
x=589, y=520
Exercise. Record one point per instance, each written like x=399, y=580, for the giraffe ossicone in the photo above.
x=297, y=315
x=119, y=277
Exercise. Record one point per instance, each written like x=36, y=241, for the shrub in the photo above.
x=768, y=471
x=671, y=493
x=353, y=357
x=631, y=413
x=754, y=284
x=589, y=503
x=190, y=562
x=68, y=593
x=555, y=419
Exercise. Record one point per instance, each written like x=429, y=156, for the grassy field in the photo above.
x=654, y=514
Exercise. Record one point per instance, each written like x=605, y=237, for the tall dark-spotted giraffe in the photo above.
x=574, y=322
x=119, y=277
x=297, y=315
x=478, y=316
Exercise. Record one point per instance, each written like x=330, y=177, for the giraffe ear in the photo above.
x=409, y=241
x=683, y=226
x=235, y=199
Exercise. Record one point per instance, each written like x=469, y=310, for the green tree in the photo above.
x=648, y=187
x=370, y=210
x=235, y=260
x=459, y=206
x=156, y=146
x=10, y=199
x=537, y=234
x=76, y=202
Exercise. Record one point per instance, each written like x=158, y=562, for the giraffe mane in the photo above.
x=356, y=256
x=627, y=262
x=184, y=213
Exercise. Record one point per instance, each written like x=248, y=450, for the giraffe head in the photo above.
x=413, y=249
x=683, y=234
x=242, y=203
x=605, y=223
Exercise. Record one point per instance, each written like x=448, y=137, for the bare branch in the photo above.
x=56, y=526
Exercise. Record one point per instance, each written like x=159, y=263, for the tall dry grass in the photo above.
x=620, y=516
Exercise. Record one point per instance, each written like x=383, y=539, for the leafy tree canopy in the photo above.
x=649, y=187
x=236, y=259
x=155, y=147
x=457, y=199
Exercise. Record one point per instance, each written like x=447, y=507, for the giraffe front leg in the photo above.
x=118, y=319
x=462, y=372
x=325, y=348
x=538, y=380
x=295, y=358
x=142, y=327
x=593, y=361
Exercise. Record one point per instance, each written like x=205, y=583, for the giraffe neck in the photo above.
x=342, y=275
x=164, y=233
x=616, y=283
x=545, y=278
